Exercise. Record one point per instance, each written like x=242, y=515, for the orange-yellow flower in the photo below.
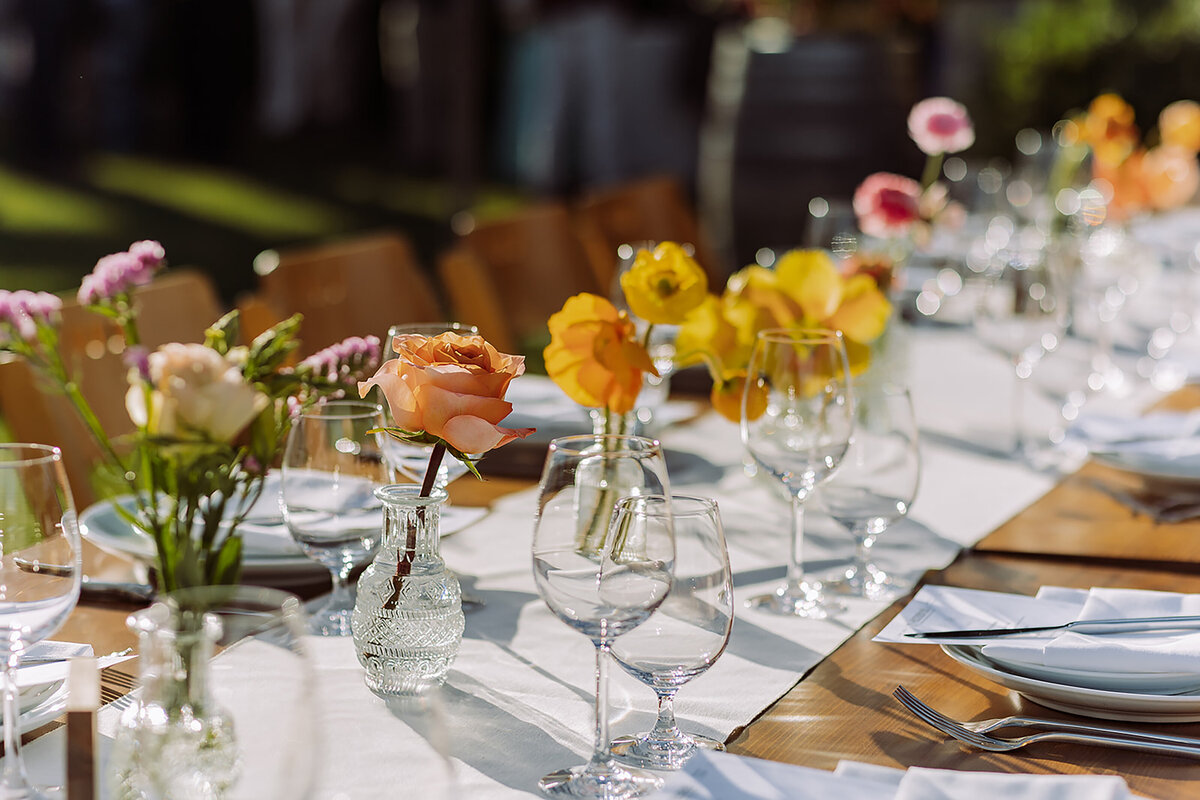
x=664, y=285
x=1179, y=125
x=727, y=398
x=1109, y=129
x=594, y=355
x=1169, y=176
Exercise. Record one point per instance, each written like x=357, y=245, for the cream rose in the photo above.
x=194, y=389
x=452, y=388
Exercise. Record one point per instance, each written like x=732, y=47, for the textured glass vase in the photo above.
x=176, y=741
x=408, y=619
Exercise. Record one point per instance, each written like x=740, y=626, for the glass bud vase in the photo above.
x=408, y=620
x=175, y=741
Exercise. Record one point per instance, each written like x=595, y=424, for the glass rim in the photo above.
x=446, y=327
x=365, y=410
x=49, y=453
x=700, y=505
x=577, y=445
x=799, y=335
x=393, y=491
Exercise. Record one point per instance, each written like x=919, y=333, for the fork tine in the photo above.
x=940, y=721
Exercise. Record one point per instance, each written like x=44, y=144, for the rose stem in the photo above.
x=404, y=563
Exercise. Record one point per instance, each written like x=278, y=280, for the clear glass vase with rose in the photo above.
x=445, y=391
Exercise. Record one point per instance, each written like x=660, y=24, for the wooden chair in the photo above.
x=508, y=276
x=352, y=287
x=654, y=209
x=177, y=307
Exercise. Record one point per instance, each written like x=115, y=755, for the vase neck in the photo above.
x=175, y=648
x=411, y=523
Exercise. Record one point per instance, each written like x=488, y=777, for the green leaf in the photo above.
x=223, y=334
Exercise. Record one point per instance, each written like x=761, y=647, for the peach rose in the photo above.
x=450, y=387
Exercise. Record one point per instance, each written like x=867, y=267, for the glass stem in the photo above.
x=862, y=552
x=1018, y=409
x=665, y=727
x=339, y=594
x=795, y=573
x=14, y=767
x=601, y=754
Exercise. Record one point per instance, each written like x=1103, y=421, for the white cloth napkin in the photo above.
x=1136, y=651
x=722, y=776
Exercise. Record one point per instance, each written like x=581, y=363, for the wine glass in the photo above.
x=1022, y=317
x=411, y=460
x=799, y=438
x=603, y=580
x=687, y=633
x=38, y=529
x=875, y=485
x=331, y=466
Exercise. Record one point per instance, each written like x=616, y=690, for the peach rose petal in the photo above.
x=397, y=392
x=472, y=435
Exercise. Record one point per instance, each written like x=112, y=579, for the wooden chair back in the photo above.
x=653, y=209
x=508, y=276
x=353, y=287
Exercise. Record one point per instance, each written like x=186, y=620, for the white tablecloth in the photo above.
x=518, y=701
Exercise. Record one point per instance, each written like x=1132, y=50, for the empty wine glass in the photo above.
x=411, y=460
x=799, y=437
x=603, y=580
x=1021, y=316
x=689, y=630
x=331, y=466
x=40, y=574
x=875, y=484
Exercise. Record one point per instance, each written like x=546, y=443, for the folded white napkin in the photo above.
x=722, y=776
x=1136, y=651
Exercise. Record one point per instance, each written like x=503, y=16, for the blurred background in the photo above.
x=225, y=128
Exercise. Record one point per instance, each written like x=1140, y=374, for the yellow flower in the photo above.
x=863, y=313
x=1108, y=128
x=594, y=355
x=663, y=286
x=1179, y=125
x=810, y=279
x=709, y=335
x=727, y=398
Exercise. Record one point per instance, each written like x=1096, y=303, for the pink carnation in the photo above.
x=940, y=125
x=887, y=204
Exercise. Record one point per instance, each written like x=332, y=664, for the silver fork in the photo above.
x=1068, y=732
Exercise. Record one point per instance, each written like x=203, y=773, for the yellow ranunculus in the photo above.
x=864, y=311
x=709, y=335
x=1109, y=129
x=810, y=279
x=664, y=285
x=594, y=355
x=1179, y=125
x=727, y=398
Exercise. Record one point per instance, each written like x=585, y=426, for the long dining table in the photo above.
x=983, y=522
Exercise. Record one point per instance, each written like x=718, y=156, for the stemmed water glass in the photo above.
x=38, y=529
x=331, y=466
x=687, y=633
x=411, y=460
x=876, y=483
x=602, y=579
x=1022, y=315
x=797, y=418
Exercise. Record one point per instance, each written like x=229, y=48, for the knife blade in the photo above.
x=1100, y=626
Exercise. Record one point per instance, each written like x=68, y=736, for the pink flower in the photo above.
x=940, y=125
x=25, y=310
x=118, y=273
x=887, y=204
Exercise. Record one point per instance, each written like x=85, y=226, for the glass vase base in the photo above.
x=648, y=752
x=810, y=602
x=607, y=781
x=29, y=792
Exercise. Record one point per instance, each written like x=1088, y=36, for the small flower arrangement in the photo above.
x=891, y=206
x=210, y=418
x=804, y=290
x=595, y=354
x=1137, y=176
x=448, y=391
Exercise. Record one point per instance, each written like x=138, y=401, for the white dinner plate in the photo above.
x=1160, y=467
x=1099, y=703
x=41, y=703
x=1139, y=682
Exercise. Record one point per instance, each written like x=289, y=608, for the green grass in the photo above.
x=216, y=196
x=33, y=206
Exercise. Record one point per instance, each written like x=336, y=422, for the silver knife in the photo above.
x=1080, y=626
